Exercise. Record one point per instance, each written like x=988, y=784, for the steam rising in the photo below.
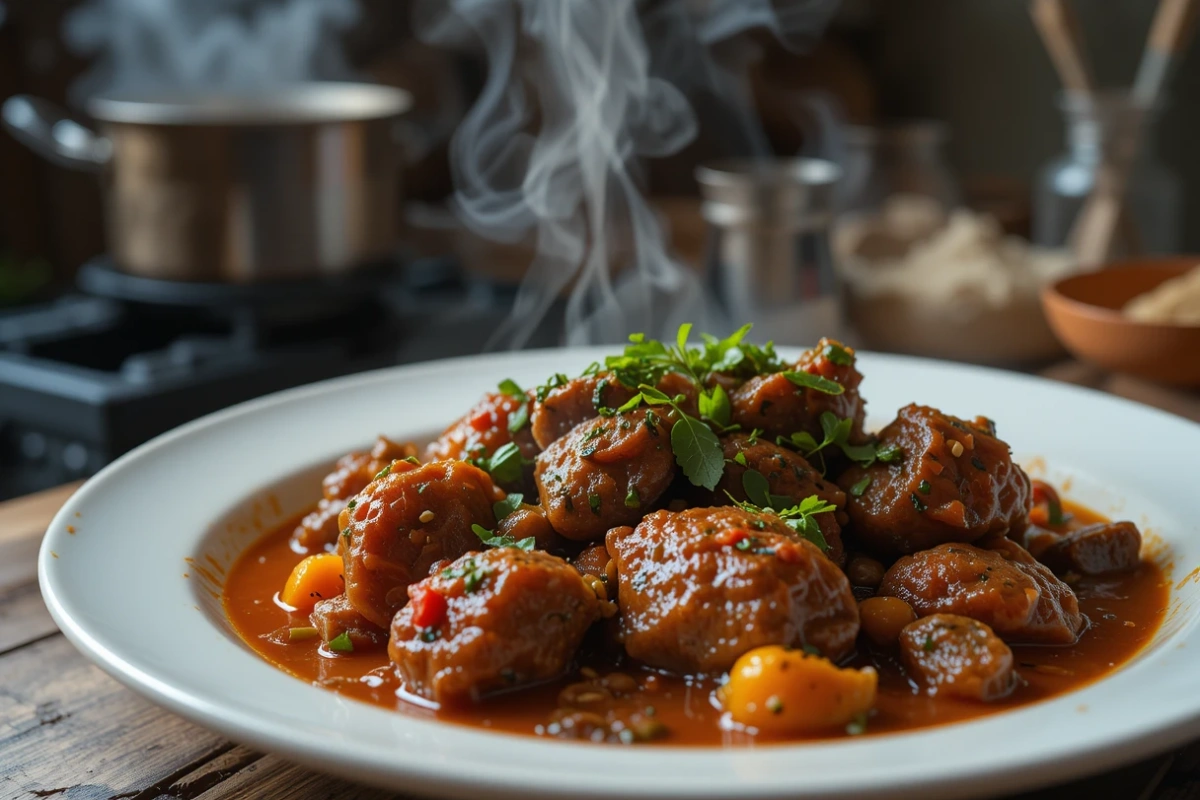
x=576, y=91
x=146, y=45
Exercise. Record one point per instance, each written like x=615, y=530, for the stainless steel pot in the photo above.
x=296, y=182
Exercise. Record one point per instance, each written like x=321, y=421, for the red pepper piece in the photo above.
x=429, y=607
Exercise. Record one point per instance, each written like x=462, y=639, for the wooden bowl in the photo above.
x=1085, y=313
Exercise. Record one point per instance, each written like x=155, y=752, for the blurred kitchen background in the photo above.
x=944, y=139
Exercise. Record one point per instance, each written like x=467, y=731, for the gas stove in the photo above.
x=123, y=359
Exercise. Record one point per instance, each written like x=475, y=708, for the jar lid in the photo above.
x=791, y=194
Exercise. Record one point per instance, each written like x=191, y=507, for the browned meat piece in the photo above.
x=580, y=399
x=319, y=529
x=779, y=407
x=954, y=482
x=405, y=521
x=335, y=616
x=483, y=430
x=700, y=587
x=788, y=475
x=606, y=472
x=595, y=560
x=1003, y=587
x=527, y=521
x=489, y=621
x=1090, y=550
x=957, y=656
x=573, y=402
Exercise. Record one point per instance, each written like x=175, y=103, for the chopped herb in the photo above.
x=740, y=458
x=838, y=355
x=491, y=540
x=350, y=506
x=807, y=380
x=301, y=634
x=924, y=487
x=519, y=418
x=916, y=501
x=509, y=387
x=555, y=381
x=800, y=518
x=413, y=460
x=504, y=465
x=746, y=544
x=860, y=486
x=598, y=397
x=383, y=472
x=472, y=573
x=508, y=505
x=346, y=534
x=429, y=634
x=889, y=453
x=978, y=464
x=632, y=500
x=594, y=503
x=927, y=645
x=715, y=407
x=341, y=643
x=774, y=704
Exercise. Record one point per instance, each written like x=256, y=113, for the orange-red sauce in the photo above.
x=1124, y=610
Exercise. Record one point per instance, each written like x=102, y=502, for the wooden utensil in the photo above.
x=1059, y=27
x=1095, y=228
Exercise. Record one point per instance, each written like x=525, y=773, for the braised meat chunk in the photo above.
x=487, y=427
x=957, y=656
x=946, y=480
x=606, y=472
x=571, y=401
x=783, y=403
x=334, y=617
x=490, y=621
x=319, y=529
x=700, y=587
x=1003, y=587
x=406, y=520
x=529, y=522
x=781, y=473
x=1091, y=550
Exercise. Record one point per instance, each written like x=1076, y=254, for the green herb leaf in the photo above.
x=491, y=540
x=301, y=634
x=889, y=453
x=509, y=387
x=807, y=380
x=916, y=502
x=508, y=505
x=800, y=517
x=860, y=486
x=341, y=643
x=383, y=472
x=519, y=418
x=681, y=336
x=757, y=488
x=632, y=500
x=697, y=451
x=594, y=503
x=472, y=572
x=714, y=405
x=413, y=460
x=924, y=487
x=630, y=404
x=505, y=464
x=740, y=458
x=838, y=355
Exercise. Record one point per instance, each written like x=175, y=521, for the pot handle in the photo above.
x=50, y=132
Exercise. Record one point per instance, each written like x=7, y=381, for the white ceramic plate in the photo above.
x=206, y=490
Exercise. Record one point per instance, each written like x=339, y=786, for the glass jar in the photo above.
x=902, y=158
x=1097, y=128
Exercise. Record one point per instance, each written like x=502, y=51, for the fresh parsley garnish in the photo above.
x=836, y=432
x=504, y=465
x=807, y=380
x=800, y=518
x=556, y=380
x=490, y=539
x=758, y=491
x=837, y=354
x=860, y=486
x=740, y=458
x=632, y=500
x=508, y=505
x=472, y=573
x=697, y=449
x=594, y=503
x=383, y=472
x=519, y=418
x=509, y=387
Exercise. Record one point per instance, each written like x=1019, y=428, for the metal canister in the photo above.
x=769, y=260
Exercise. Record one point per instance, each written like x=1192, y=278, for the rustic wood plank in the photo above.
x=67, y=727
x=22, y=523
x=271, y=776
x=23, y=617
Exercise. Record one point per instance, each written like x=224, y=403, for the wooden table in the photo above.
x=69, y=731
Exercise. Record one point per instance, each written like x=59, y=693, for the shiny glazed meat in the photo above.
x=319, y=529
x=693, y=600
x=1004, y=588
x=779, y=407
x=574, y=402
x=955, y=482
x=788, y=475
x=389, y=546
x=606, y=472
x=484, y=430
x=957, y=656
x=489, y=621
x=1092, y=550
x=335, y=616
x=530, y=521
